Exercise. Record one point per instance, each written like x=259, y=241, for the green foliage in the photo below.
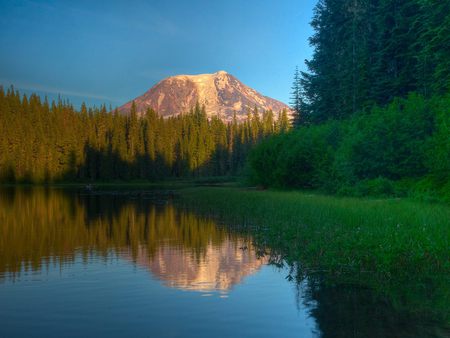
x=387, y=142
x=299, y=159
x=438, y=150
x=367, y=52
x=401, y=149
x=381, y=67
x=379, y=187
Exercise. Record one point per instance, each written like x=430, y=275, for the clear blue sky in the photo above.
x=112, y=51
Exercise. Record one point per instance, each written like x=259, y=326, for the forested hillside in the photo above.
x=45, y=142
x=373, y=110
x=368, y=52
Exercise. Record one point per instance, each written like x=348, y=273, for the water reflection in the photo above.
x=217, y=269
x=183, y=250
x=113, y=264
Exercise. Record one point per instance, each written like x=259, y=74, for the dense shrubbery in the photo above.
x=403, y=148
x=299, y=159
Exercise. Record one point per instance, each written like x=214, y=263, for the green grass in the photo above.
x=398, y=247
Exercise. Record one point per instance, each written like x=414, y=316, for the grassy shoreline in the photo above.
x=398, y=247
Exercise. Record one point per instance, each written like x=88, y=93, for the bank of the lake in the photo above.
x=172, y=183
x=398, y=247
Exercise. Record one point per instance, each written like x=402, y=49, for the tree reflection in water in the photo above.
x=42, y=226
x=185, y=251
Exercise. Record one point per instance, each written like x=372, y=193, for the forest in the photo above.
x=53, y=142
x=371, y=117
x=373, y=109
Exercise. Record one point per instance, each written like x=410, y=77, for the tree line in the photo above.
x=373, y=109
x=45, y=142
x=368, y=52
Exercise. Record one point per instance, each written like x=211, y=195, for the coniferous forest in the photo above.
x=371, y=116
x=373, y=109
x=368, y=52
x=50, y=142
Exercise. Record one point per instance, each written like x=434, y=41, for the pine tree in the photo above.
x=296, y=99
x=283, y=121
x=368, y=52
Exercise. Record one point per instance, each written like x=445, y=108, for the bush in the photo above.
x=401, y=149
x=376, y=187
x=438, y=147
x=301, y=159
x=387, y=142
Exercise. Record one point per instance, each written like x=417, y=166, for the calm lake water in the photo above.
x=133, y=264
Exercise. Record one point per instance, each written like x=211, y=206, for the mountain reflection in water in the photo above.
x=181, y=249
x=218, y=268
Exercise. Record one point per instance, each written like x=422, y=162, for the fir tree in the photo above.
x=296, y=100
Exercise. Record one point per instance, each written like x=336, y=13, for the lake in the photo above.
x=135, y=263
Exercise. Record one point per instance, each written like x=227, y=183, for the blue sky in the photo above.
x=112, y=51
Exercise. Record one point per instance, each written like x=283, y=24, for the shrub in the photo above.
x=401, y=149
x=387, y=142
x=300, y=159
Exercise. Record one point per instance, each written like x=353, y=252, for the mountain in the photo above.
x=221, y=93
x=220, y=267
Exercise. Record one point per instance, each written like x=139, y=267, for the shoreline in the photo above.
x=397, y=247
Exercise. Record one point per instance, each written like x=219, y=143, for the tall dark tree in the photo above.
x=296, y=99
x=368, y=52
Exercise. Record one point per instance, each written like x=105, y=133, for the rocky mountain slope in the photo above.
x=221, y=93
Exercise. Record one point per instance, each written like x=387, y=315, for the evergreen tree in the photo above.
x=368, y=52
x=296, y=99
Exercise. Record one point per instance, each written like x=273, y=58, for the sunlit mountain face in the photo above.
x=181, y=249
x=220, y=93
